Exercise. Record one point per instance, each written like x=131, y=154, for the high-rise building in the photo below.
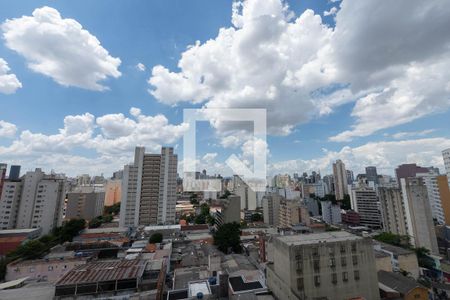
x=2, y=176
x=408, y=170
x=419, y=220
x=149, y=189
x=430, y=181
x=34, y=201
x=392, y=210
x=14, y=172
x=350, y=176
x=328, y=265
x=85, y=205
x=292, y=213
x=228, y=211
x=444, y=195
x=113, y=191
x=331, y=213
x=247, y=194
x=364, y=201
x=271, y=208
x=328, y=180
x=371, y=174
x=340, y=179
x=446, y=156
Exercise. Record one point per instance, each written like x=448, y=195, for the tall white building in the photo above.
x=248, y=196
x=446, y=156
x=35, y=201
x=419, y=220
x=149, y=189
x=434, y=196
x=340, y=179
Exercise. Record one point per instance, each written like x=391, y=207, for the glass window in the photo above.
x=344, y=276
x=316, y=280
x=356, y=274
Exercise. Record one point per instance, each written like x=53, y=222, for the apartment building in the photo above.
x=331, y=213
x=446, y=157
x=113, y=191
x=340, y=179
x=85, y=205
x=419, y=220
x=434, y=196
x=34, y=201
x=149, y=189
x=364, y=201
x=271, y=209
x=329, y=265
x=228, y=210
x=292, y=213
x=393, y=211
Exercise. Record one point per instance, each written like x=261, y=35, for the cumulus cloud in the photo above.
x=8, y=81
x=330, y=12
x=7, y=130
x=395, y=69
x=110, y=139
x=140, y=67
x=61, y=49
x=407, y=134
x=386, y=155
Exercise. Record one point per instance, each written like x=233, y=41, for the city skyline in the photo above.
x=121, y=97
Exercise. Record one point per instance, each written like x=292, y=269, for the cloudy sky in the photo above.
x=83, y=82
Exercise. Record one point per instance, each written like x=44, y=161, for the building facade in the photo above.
x=271, y=209
x=331, y=213
x=419, y=219
x=113, y=191
x=330, y=265
x=34, y=201
x=446, y=156
x=364, y=201
x=149, y=189
x=84, y=205
x=371, y=174
x=340, y=179
x=392, y=210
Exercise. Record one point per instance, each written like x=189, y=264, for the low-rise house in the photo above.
x=401, y=259
x=396, y=286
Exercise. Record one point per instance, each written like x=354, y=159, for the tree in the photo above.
x=257, y=217
x=346, y=205
x=227, y=238
x=394, y=239
x=69, y=230
x=156, y=238
x=225, y=194
x=31, y=249
x=95, y=222
x=423, y=258
x=113, y=209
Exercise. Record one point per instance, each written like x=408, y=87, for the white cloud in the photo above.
x=109, y=141
x=406, y=134
x=7, y=130
x=395, y=69
x=8, y=81
x=61, y=49
x=386, y=155
x=331, y=12
x=140, y=67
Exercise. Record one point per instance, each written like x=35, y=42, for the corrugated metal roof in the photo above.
x=104, y=271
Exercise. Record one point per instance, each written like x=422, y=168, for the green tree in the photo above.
x=227, y=238
x=155, y=238
x=394, y=239
x=346, y=203
x=95, y=222
x=31, y=249
x=69, y=230
x=423, y=258
x=113, y=209
x=257, y=217
x=225, y=194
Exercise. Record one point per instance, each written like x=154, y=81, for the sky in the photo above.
x=84, y=82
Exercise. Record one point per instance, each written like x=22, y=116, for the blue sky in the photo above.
x=158, y=33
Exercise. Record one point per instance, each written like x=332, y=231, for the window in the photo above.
x=300, y=285
x=342, y=248
x=332, y=262
x=343, y=261
x=344, y=276
x=355, y=260
x=316, y=265
x=316, y=280
x=315, y=251
x=31, y=269
x=353, y=247
x=50, y=268
x=334, y=278
x=356, y=274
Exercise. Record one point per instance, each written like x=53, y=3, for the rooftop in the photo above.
x=328, y=237
x=18, y=231
x=103, y=271
x=239, y=285
x=397, y=282
x=162, y=227
x=395, y=249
